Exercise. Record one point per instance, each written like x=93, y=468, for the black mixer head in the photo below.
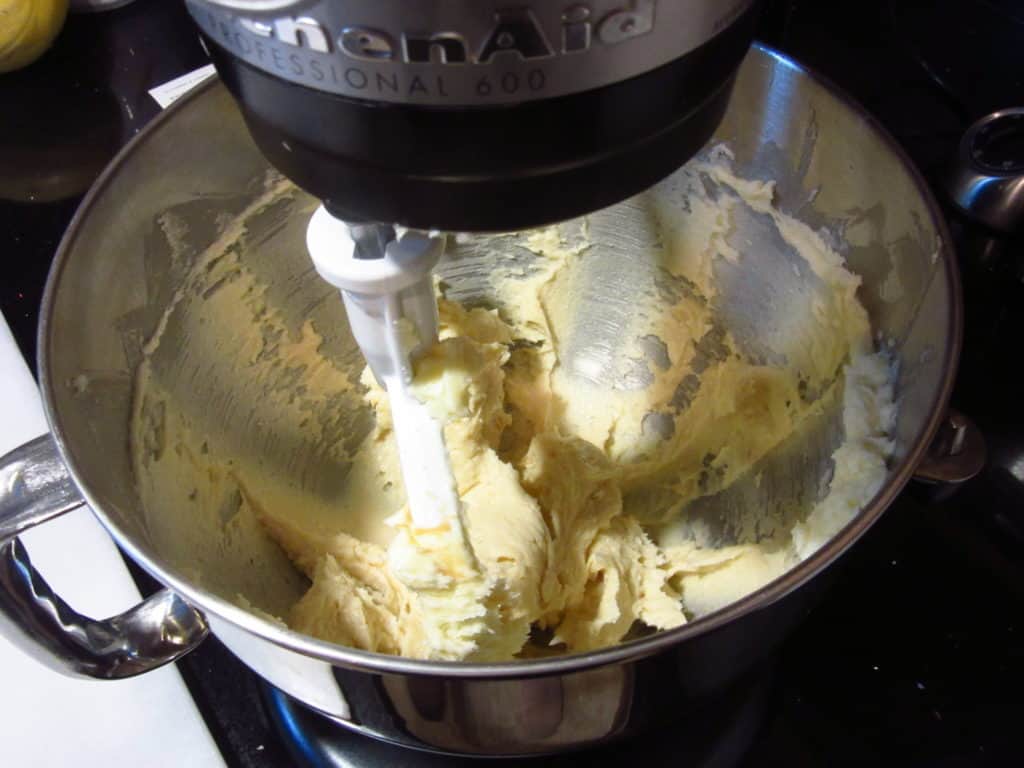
x=473, y=115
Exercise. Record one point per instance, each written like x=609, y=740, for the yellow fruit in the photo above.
x=27, y=28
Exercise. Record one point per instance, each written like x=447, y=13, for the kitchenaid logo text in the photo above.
x=515, y=30
x=508, y=55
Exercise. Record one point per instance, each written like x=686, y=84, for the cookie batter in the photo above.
x=578, y=466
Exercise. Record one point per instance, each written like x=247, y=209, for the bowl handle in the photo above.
x=35, y=486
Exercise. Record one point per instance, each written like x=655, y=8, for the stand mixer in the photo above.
x=462, y=116
x=193, y=191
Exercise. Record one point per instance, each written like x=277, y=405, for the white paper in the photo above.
x=48, y=720
x=173, y=90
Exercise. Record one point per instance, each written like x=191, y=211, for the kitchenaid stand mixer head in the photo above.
x=468, y=115
x=477, y=115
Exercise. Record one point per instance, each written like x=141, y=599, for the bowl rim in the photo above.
x=352, y=658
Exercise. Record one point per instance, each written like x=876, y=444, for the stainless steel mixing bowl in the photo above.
x=836, y=170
